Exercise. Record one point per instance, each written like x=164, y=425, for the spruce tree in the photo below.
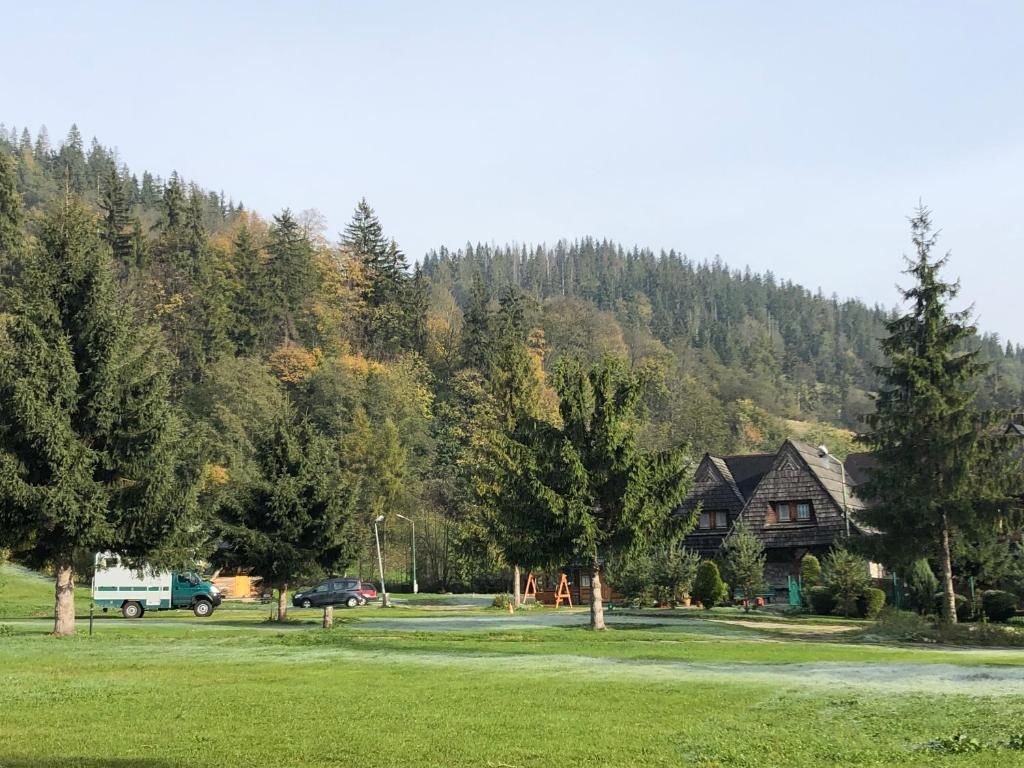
x=117, y=222
x=291, y=272
x=292, y=518
x=744, y=558
x=927, y=435
x=588, y=492
x=89, y=441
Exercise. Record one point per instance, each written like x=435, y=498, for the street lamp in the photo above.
x=415, y=584
x=380, y=562
x=823, y=453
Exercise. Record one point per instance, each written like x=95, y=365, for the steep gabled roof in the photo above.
x=830, y=475
x=1015, y=429
x=748, y=470
x=726, y=473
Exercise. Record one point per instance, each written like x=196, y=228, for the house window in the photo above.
x=585, y=580
x=791, y=512
x=713, y=520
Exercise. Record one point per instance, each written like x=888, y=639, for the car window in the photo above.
x=321, y=588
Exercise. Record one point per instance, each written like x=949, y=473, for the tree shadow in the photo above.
x=81, y=762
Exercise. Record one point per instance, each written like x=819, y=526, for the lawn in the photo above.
x=234, y=691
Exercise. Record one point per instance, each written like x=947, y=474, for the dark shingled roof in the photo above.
x=748, y=470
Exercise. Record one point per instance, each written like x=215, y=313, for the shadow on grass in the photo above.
x=82, y=762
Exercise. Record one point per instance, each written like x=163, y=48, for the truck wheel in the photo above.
x=307, y=604
x=131, y=610
x=352, y=602
x=202, y=608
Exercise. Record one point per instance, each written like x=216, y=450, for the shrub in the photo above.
x=921, y=585
x=847, y=575
x=963, y=606
x=744, y=559
x=502, y=601
x=870, y=603
x=901, y=626
x=822, y=600
x=708, y=587
x=810, y=571
x=998, y=605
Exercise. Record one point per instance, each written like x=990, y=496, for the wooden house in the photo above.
x=796, y=501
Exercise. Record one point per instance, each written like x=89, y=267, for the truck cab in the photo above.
x=190, y=591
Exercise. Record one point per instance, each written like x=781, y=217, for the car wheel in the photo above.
x=307, y=604
x=352, y=602
x=202, y=608
x=131, y=610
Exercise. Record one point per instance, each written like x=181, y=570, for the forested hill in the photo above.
x=738, y=335
x=720, y=336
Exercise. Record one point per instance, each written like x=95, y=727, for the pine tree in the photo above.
x=589, y=493
x=117, y=230
x=744, y=558
x=251, y=302
x=928, y=437
x=291, y=272
x=293, y=519
x=89, y=441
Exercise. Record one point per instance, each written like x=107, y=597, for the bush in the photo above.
x=998, y=605
x=871, y=603
x=502, y=601
x=708, y=587
x=963, y=606
x=822, y=600
x=810, y=571
x=847, y=576
x=921, y=585
x=901, y=626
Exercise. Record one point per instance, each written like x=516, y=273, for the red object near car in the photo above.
x=367, y=590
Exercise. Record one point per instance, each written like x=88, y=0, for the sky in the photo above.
x=795, y=137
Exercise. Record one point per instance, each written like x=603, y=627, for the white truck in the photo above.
x=134, y=592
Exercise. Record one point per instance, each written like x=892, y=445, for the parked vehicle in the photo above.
x=135, y=592
x=331, y=592
x=368, y=590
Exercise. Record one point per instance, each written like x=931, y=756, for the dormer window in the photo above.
x=713, y=520
x=791, y=512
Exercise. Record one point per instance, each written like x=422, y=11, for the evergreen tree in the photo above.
x=251, y=301
x=292, y=519
x=117, y=230
x=88, y=444
x=708, y=587
x=744, y=558
x=588, y=490
x=928, y=437
x=291, y=272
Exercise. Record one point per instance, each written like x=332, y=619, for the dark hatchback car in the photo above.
x=331, y=592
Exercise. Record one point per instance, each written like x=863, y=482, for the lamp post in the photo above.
x=380, y=562
x=823, y=453
x=415, y=584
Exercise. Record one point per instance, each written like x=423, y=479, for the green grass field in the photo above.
x=415, y=687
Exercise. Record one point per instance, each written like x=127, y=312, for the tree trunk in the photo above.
x=328, y=616
x=517, y=595
x=596, y=599
x=282, y=603
x=946, y=563
x=64, y=603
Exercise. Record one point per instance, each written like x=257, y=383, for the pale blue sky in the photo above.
x=787, y=136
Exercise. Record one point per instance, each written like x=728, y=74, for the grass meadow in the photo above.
x=407, y=687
